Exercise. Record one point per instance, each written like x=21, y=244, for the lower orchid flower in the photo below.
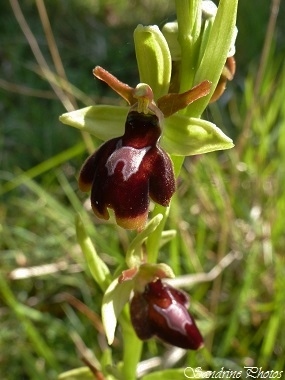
x=161, y=310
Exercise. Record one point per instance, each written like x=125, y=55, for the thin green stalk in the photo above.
x=132, y=347
x=153, y=241
x=189, y=25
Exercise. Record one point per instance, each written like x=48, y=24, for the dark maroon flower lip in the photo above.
x=161, y=310
x=126, y=172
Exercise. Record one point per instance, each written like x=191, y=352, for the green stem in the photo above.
x=189, y=24
x=132, y=347
x=153, y=241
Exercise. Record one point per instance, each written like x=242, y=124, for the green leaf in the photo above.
x=115, y=298
x=104, y=122
x=220, y=41
x=98, y=268
x=185, y=136
x=153, y=58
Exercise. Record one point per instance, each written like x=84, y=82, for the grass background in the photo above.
x=228, y=203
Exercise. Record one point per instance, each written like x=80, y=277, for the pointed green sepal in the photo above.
x=185, y=136
x=153, y=58
x=104, y=122
x=115, y=298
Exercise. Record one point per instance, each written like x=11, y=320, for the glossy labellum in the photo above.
x=161, y=310
x=125, y=171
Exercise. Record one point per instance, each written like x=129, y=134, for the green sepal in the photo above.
x=185, y=136
x=114, y=300
x=104, y=122
x=153, y=58
x=99, y=270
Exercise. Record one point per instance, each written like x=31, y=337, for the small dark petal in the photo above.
x=139, y=317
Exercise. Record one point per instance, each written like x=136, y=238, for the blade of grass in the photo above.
x=240, y=303
x=38, y=343
x=274, y=328
x=43, y=167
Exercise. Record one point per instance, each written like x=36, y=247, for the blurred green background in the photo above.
x=227, y=202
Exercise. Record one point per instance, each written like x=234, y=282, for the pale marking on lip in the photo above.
x=131, y=157
x=176, y=316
